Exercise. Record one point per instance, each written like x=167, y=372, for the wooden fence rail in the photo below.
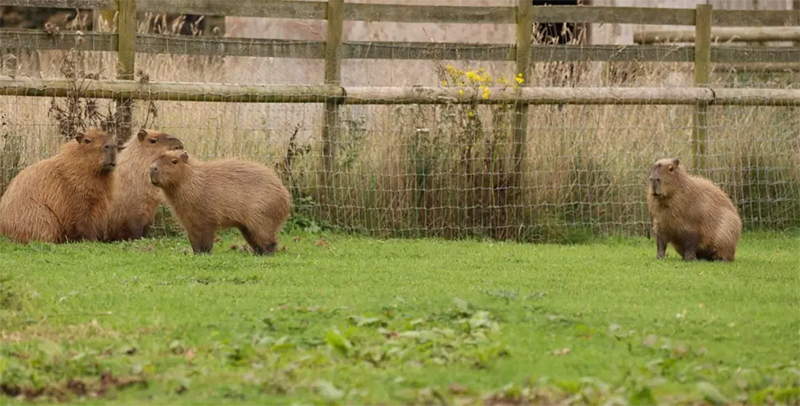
x=381, y=95
x=126, y=43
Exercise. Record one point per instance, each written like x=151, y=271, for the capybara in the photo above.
x=65, y=197
x=135, y=200
x=692, y=214
x=207, y=197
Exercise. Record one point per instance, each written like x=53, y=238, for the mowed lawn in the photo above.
x=336, y=319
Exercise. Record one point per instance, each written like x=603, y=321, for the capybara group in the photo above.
x=135, y=201
x=207, y=197
x=692, y=214
x=65, y=197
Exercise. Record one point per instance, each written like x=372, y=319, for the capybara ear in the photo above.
x=142, y=133
x=185, y=156
x=676, y=161
x=79, y=137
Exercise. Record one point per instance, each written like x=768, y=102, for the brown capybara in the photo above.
x=65, y=197
x=210, y=196
x=692, y=214
x=135, y=200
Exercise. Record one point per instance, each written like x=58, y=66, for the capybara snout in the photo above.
x=109, y=156
x=155, y=176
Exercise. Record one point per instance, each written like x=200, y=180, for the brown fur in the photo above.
x=216, y=195
x=692, y=214
x=135, y=201
x=65, y=197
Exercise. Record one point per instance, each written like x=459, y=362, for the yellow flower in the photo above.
x=460, y=92
x=471, y=114
x=486, y=92
x=519, y=79
x=444, y=83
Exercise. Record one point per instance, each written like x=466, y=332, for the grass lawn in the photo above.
x=351, y=320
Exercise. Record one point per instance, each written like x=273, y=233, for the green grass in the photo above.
x=351, y=320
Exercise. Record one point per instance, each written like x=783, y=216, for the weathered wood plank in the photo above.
x=37, y=39
x=523, y=68
x=70, y=4
x=312, y=10
x=272, y=48
x=702, y=75
x=162, y=44
x=755, y=18
x=738, y=34
x=758, y=67
x=440, y=14
x=126, y=51
x=428, y=50
x=333, y=76
x=612, y=53
x=429, y=14
x=216, y=92
x=741, y=54
x=614, y=15
x=201, y=92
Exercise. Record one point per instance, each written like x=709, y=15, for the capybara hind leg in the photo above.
x=262, y=242
x=34, y=222
x=690, y=246
x=202, y=241
x=705, y=254
x=661, y=246
x=725, y=255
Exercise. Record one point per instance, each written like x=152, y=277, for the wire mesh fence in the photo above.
x=433, y=170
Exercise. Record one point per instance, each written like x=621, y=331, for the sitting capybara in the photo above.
x=135, y=200
x=65, y=197
x=210, y=196
x=692, y=214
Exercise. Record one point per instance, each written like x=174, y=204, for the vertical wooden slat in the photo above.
x=520, y=129
x=330, y=131
x=126, y=30
x=702, y=70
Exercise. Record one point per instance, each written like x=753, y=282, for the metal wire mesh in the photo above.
x=444, y=170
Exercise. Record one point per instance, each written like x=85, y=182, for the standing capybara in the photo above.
x=216, y=195
x=692, y=214
x=135, y=201
x=65, y=197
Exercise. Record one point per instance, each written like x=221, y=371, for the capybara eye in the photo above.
x=671, y=168
x=153, y=140
x=174, y=161
x=87, y=141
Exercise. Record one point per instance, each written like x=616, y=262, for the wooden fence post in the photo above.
x=126, y=35
x=702, y=75
x=520, y=129
x=330, y=130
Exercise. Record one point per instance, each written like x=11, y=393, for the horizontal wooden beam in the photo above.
x=758, y=67
x=754, y=54
x=612, y=53
x=215, y=92
x=755, y=18
x=614, y=15
x=275, y=48
x=310, y=10
x=429, y=14
x=315, y=10
x=745, y=34
x=202, y=92
x=70, y=4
